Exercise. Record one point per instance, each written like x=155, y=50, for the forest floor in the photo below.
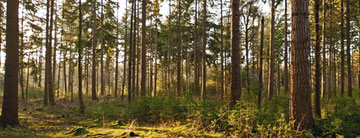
x=64, y=120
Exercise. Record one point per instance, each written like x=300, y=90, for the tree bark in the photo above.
x=317, y=60
x=261, y=61
x=9, y=112
x=196, y=53
x=235, y=55
x=286, y=72
x=81, y=102
x=94, y=45
x=143, y=50
x=348, y=49
x=102, y=81
x=300, y=96
x=342, y=88
x=204, y=42
x=271, y=52
x=323, y=84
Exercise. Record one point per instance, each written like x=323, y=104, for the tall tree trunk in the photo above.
x=64, y=69
x=323, y=84
x=54, y=56
x=300, y=96
x=247, y=21
x=204, y=42
x=359, y=48
x=261, y=61
x=156, y=56
x=271, y=51
x=50, y=73
x=58, y=82
x=143, y=50
x=94, y=45
x=196, y=53
x=348, y=47
x=179, y=53
x=9, y=112
x=169, y=75
x=71, y=73
x=21, y=70
x=130, y=51
x=222, y=51
x=102, y=81
x=235, y=52
x=125, y=51
x=286, y=72
x=27, y=79
x=82, y=107
x=317, y=60
x=342, y=88
x=117, y=52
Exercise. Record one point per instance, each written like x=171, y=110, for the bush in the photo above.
x=341, y=119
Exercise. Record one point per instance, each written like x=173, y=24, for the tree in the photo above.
x=323, y=84
x=300, y=93
x=261, y=60
x=348, y=49
x=9, y=113
x=117, y=52
x=130, y=87
x=94, y=45
x=143, y=50
x=196, y=51
x=271, y=51
x=317, y=59
x=235, y=55
x=179, y=52
x=203, y=59
x=286, y=72
x=82, y=107
x=222, y=50
x=342, y=81
x=102, y=81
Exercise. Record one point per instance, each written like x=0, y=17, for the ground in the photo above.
x=64, y=120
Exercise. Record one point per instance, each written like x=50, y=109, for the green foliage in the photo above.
x=108, y=109
x=341, y=118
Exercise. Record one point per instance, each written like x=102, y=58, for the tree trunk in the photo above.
x=348, y=47
x=46, y=88
x=130, y=51
x=9, y=112
x=117, y=52
x=323, y=84
x=204, y=42
x=179, y=53
x=21, y=68
x=143, y=50
x=300, y=96
x=54, y=56
x=235, y=52
x=102, y=81
x=125, y=51
x=342, y=88
x=247, y=21
x=196, y=53
x=27, y=79
x=94, y=45
x=222, y=51
x=50, y=73
x=82, y=107
x=261, y=61
x=271, y=51
x=317, y=60
x=286, y=72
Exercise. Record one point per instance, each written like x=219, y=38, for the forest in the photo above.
x=180, y=68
